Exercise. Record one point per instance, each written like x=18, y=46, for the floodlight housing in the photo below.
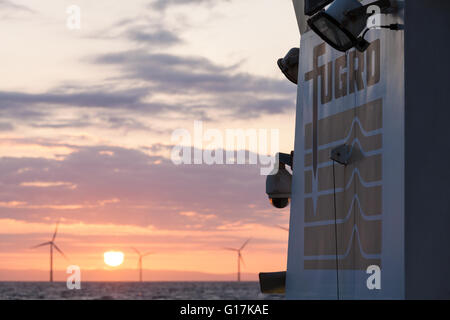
x=342, y=22
x=289, y=65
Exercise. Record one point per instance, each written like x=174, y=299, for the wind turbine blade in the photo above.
x=59, y=250
x=242, y=259
x=136, y=250
x=231, y=249
x=147, y=254
x=245, y=243
x=56, y=231
x=41, y=245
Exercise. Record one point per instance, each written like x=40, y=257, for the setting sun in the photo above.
x=113, y=258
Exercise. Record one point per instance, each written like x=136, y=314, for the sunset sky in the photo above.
x=86, y=119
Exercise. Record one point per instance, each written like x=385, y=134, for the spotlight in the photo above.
x=289, y=65
x=342, y=22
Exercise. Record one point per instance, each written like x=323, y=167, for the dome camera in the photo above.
x=280, y=203
x=278, y=184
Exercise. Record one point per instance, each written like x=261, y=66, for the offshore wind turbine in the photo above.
x=141, y=255
x=52, y=246
x=239, y=258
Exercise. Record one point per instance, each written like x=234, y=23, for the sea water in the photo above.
x=135, y=290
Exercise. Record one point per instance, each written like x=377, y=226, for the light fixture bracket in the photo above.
x=341, y=154
x=285, y=159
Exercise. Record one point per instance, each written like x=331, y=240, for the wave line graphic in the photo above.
x=348, y=136
x=360, y=148
x=365, y=255
x=348, y=215
x=361, y=180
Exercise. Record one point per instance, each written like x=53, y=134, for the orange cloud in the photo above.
x=47, y=184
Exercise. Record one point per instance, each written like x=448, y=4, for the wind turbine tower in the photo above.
x=141, y=256
x=52, y=246
x=239, y=258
